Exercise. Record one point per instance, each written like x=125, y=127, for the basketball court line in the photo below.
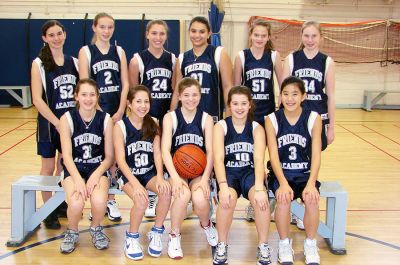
x=15, y=128
x=356, y=135
x=381, y=134
x=18, y=250
x=8, y=149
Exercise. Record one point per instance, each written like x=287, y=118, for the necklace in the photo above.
x=87, y=124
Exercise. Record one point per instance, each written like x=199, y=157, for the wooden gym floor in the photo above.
x=365, y=159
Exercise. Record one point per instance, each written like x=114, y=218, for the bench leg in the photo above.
x=26, y=98
x=336, y=209
x=23, y=205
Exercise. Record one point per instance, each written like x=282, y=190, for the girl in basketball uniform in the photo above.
x=317, y=70
x=208, y=64
x=239, y=148
x=106, y=64
x=54, y=77
x=188, y=124
x=294, y=145
x=255, y=68
x=86, y=140
x=138, y=155
x=153, y=68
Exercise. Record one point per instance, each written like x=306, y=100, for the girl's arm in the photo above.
x=208, y=134
x=279, y=72
x=37, y=93
x=83, y=64
x=316, y=151
x=225, y=68
x=237, y=71
x=330, y=91
x=119, y=146
x=125, y=88
x=284, y=193
x=286, y=68
x=133, y=72
x=178, y=77
x=260, y=196
x=163, y=186
x=166, y=142
x=66, y=146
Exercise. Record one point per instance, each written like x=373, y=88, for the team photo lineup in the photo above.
x=195, y=130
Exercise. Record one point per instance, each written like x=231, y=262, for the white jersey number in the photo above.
x=108, y=78
x=141, y=160
x=160, y=84
x=87, y=151
x=293, y=153
x=66, y=91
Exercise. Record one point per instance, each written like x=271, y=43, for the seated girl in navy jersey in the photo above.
x=188, y=120
x=294, y=144
x=239, y=148
x=86, y=140
x=138, y=155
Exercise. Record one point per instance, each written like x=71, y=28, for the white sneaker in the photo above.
x=299, y=223
x=133, y=249
x=151, y=209
x=249, y=210
x=211, y=234
x=174, y=247
x=113, y=212
x=285, y=252
x=155, y=245
x=311, y=252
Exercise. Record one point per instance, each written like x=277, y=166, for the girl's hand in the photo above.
x=117, y=117
x=261, y=200
x=225, y=196
x=203, y=184
x=330, y=134
x=140, y=192
x=163, y=186
x=177, y=185
x=80, y=189
x=310, y=194
x=91, y=184
x=284, y=194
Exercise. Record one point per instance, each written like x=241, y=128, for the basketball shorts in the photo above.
x=324, y=132
x=241, y=184
x=86, y=171
x=143, y=179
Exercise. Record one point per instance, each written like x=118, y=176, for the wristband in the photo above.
x=259, y=190
x=221, y=182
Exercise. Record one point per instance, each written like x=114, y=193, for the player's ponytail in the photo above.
x=45, y=53
x=149, y=128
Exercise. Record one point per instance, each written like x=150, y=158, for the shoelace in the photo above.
x=265, y=251
x=176, y=243
x=135, y=243
x=311, y=250
x=99, y=235
x=152, y=201
x=113, y=203
x=220, y=249
x=286, y=250
x=69, y=236
x=157, y=238
x=210, y=231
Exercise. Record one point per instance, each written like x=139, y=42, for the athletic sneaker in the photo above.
x=174, y=247
x=155, y=244
x=51, y=221
x=69, y=242
x=299, y=223
x=221, y=254
x=151, y=209
x=249, y=210
x=99, y=239
x=263, y=254
x=311, y=252
x=211, y=234
x=285, y=252
x=113, y=212
x=133, y=249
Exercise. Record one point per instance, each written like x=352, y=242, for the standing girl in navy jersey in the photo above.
x=153, y=68
x=255, y=68
x=188, y=125
x=210, y=65
x=317, y=70
x=106, y=64
x=294, y=144
x=86, y=139
x=239, y=148
x=138, y=155
x=53, y=79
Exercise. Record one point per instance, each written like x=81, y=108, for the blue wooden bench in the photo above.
x=371, y=98
x=25, y=99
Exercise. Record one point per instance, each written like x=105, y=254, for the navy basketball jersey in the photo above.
x=156, y=74
x=313, y=73
x=138, y=152
x=105, y=69
x=205, y=69
x=259, y=76
x=58, y=92
x=87, y=138
x=188, y=133
x=239, y=148
x=294, y=143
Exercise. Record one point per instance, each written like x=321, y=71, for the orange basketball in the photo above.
x=189, y=161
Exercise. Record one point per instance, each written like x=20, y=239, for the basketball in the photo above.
x=189, y=161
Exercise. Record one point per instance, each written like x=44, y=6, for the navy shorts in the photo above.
x=297, y=187
x=241, y=184
x=85, y=171
x=47, y=149
x=324, y=139
x=143, y=179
